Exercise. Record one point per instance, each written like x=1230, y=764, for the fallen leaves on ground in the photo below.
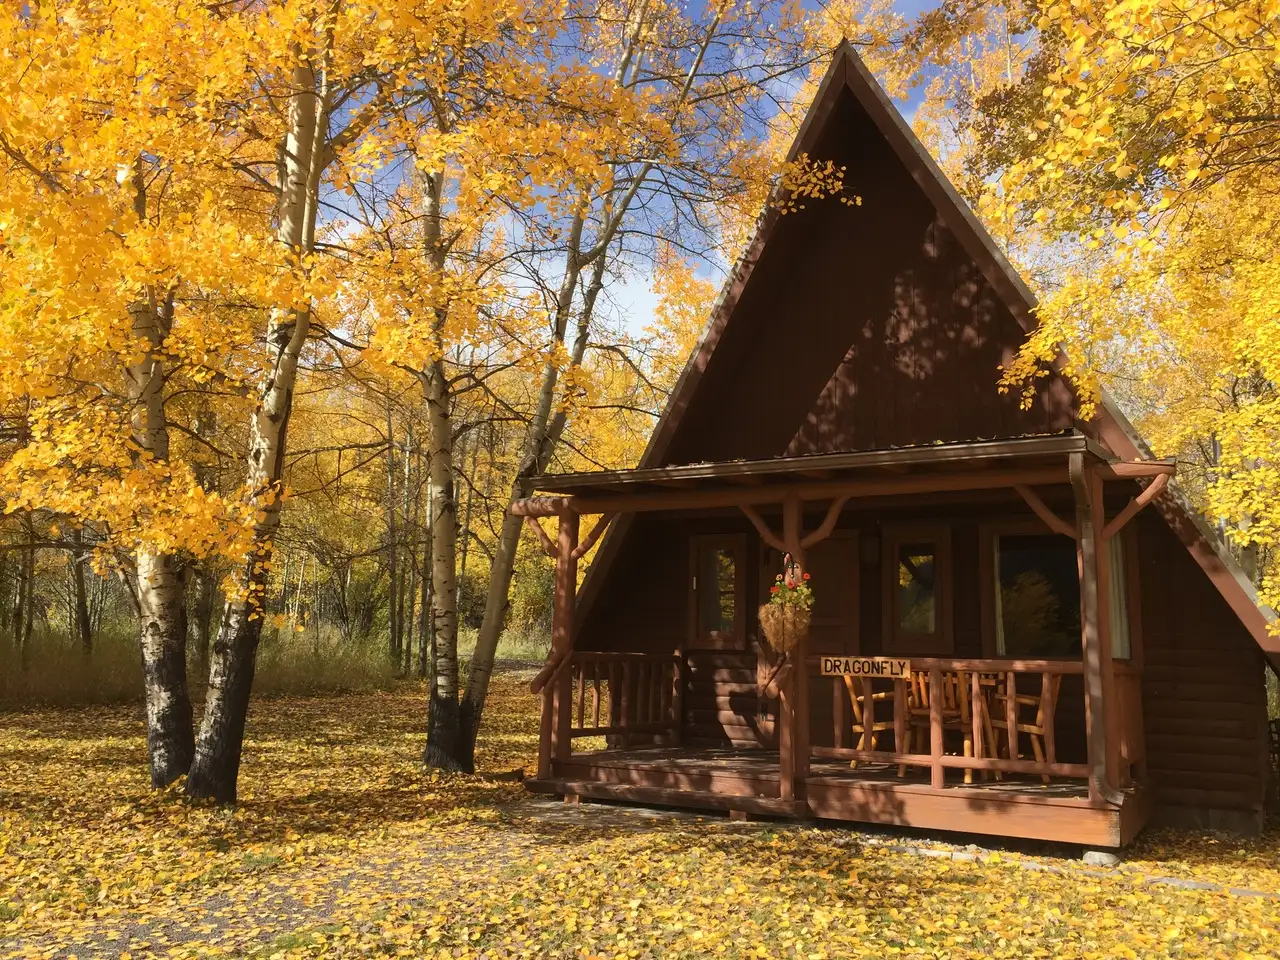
x=343, y=846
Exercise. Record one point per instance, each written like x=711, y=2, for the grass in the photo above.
x=55, y=671
x=521, y=644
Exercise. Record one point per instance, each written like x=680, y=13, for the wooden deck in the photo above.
x=747, y=781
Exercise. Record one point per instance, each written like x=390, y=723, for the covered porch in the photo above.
x=1007, y=744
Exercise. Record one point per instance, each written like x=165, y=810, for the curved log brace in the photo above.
x=595, y=534
x=828, y=523
x=548, y=547
x=1153, y=490
x=777, y=680
x=766, y=534
x=1041, y=510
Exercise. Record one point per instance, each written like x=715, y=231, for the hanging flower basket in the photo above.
x=784, y=624
x=785, y=618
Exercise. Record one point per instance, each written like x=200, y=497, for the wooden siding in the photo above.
x=861, y=327
x=1204, y=700
x=1203, y=693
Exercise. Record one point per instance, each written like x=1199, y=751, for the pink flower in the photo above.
x=806, y=576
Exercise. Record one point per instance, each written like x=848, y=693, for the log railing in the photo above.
x=619, y=695
x=972, y=702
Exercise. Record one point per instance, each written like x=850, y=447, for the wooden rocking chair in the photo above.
x=1008, y=712
x=866, y=727
x=956, y=714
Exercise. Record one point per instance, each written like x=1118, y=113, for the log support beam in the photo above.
x=1101, y=718
x=554, y=681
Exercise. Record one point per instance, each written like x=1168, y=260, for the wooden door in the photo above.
x=718, y=596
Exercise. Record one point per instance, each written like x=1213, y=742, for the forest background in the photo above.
x=296, y=296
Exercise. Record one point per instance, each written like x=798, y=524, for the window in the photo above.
x=1118, y=597
x=717, y=591
x=917, y=601
x=917, y=590
x=1037, y=596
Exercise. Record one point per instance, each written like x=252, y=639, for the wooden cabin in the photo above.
x=1003, y=640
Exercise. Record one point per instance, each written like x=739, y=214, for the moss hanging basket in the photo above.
x=784, y=624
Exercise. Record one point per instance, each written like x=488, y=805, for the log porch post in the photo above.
x=1101, y=730
x=561, y=686
x=793, y=708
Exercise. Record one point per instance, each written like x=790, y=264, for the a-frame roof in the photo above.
x=847, y=74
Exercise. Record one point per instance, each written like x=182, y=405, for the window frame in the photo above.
x=896, y=642
x=1030, y=526
x=734, y=544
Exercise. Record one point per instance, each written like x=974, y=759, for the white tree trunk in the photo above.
x=444, y=731
x=161, y=598
x=217, y=756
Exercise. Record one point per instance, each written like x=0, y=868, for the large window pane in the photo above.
x=1037, y=596
x=917, y=589
x=717, y=592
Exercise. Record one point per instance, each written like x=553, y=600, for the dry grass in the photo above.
x=55, y=671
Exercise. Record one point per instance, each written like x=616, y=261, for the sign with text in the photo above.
x=889, y=667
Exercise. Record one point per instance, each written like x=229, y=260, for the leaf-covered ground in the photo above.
x=343, y=847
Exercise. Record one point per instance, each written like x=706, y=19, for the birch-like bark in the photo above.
x=161, y=612
x=541, y=437
x=426, y=639
x=393, y=549
x=206, y=589
x=21, y=578
x=216, y=766
x=409, y=595
x=444, y=734
x=161, y=597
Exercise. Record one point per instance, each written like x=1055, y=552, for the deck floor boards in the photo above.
x=763, y=765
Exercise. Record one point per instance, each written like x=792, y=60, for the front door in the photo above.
x=718, y=620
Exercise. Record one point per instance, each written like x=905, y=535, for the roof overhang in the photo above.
x=932, y=468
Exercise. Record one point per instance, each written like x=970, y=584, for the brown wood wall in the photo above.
x=861, y=327
x=1204, y=699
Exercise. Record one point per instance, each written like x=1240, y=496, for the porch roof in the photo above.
x=1023, y=452
x=1030, y=460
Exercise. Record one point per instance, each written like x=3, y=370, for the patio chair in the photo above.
x=866, y=727
x=956, y=714
x=1037, y=729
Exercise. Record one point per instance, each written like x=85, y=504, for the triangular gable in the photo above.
x=848, y=76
